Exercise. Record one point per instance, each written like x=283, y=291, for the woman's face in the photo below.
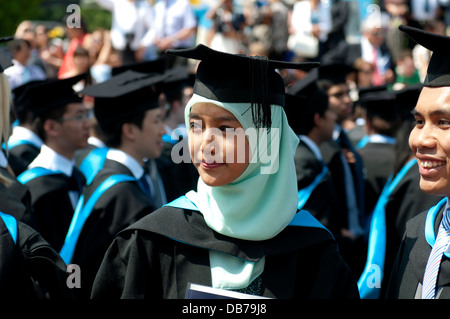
x=218, y=145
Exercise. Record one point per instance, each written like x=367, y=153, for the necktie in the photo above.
x=144, y=183
x=426, y=6
x=376, y=77
x=75, y=182
x=434, y=261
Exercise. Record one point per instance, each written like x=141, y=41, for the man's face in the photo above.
x=430, y=140
x=74, y=127
x=340, y=102
x=150, y=135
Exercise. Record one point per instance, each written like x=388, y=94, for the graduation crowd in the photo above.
x=98, y=169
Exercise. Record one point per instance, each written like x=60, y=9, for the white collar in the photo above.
x=96, y=141
x=23, y=133
x=125, y=159
x=312, y=146
x=3, y=160
x=51, y=160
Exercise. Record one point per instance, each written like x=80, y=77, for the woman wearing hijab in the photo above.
x=240, y=230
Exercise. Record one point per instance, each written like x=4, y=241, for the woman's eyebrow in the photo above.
x=218, y=119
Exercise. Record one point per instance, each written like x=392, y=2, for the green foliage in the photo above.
x=12, y=12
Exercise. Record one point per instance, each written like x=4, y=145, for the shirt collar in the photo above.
x=3, y=160
x=23, y=133
x=313, y=146
x=50, y=159
x=127, y=160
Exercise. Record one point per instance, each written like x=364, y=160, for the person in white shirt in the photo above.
x=127, y=21
x=174, y=27
x=55, y=185
x=311, y=17
x=20, y=72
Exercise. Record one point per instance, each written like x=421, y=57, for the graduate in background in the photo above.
x=24, y=144
x=30, y=268
x=421, y=270
x=127, y=110
x=346, y=166
x=313, y=121
x=232, y=233
x=55, y=184
x=377, y=149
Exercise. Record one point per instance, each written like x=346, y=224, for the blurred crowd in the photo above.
x=352, y=32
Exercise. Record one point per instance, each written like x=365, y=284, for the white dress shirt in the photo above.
x=22, y=133
x=53, y=161
x=19, y=74
x=126, y=18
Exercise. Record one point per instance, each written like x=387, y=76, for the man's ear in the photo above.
x=317, y=119
x=129, y=131
x=52, y=128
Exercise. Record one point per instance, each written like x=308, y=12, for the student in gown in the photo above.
x=55, y=184
x=29, y=267
x=421, y=270
x=346, y=166
x=310, y=117
x=238, y=230
x=24, y=143
x=382, y=119
x=127, y=110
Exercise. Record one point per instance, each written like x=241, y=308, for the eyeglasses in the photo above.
x=79, y=118
x=340, y=94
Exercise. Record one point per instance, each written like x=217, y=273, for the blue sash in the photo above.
x=364, y=140
x=302, y=218
x=11, y=225
x=305, y=193
x=377, y=236
x=430, y=235
x=168, y=139
x=34, y=172
x=16, y=143
x=93, y=163
x=82, y=212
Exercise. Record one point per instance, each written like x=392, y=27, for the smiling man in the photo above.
x=422, y=268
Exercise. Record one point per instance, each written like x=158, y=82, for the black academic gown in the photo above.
x=411, y=261
x=52, y=206
x=21, y=156
x=14, y=189
x=30, y=268
x=119, y=207
x=379, y=160
x=406, y=201
x=178, y=178
x=159, y=255
x=329, y=212
x=352, y=250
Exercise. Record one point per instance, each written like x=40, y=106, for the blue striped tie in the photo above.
x=434, y=261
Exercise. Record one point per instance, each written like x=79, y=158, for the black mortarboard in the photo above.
x=53, y=94
x=238, y=78
x=438, y=72
x=5, y=56
x=336, y=73
x=123, y=96
x=23, y=95
x=406, y=99
x=303, y=100
x=379, y=102
x=174, y=83
x=155, y=66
